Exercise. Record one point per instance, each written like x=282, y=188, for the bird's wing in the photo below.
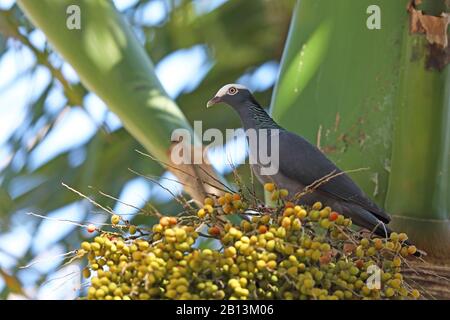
x=302, y=161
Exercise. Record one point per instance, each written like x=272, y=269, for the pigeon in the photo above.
x=302, y=164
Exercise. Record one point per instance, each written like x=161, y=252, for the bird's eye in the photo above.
x=232, y=91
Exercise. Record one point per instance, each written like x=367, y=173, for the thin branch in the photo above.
x=58, y=219
x=179, y=199
x=155, y=212
x=88, y=199
x=317, y=183
x=168, y=165
x=49, y=259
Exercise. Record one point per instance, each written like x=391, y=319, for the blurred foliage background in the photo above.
x=53, y=130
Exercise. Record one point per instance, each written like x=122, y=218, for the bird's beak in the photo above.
x=213, y=101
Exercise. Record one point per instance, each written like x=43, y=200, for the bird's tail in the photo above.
x=367, y=220
x=384, y=231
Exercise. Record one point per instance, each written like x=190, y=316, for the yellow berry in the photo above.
x=395, y=283
x=201, y=213
x=317, y=206
x=286, y=222
x=261, y=264
x=394, y=236
x=86, y=246
x=115, y=219
x=389, y=292
x=288, y=212
x=297, y=224
x=208, y=208
x=284, y=193
x=325, y=223
x=397, y=262
x=402, y=237
x=86, y=272
x=269, y=187
x=412, y=249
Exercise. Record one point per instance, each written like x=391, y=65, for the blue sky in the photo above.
x=77, y=126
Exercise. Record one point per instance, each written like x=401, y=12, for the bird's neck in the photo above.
x=254, y=116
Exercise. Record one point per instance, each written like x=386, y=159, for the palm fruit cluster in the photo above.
x=282, y=252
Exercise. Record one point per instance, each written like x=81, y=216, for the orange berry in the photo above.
x=172, y=221
x=214, y=231
x=378, y=243
x=349, y=248
x=325, y=258
x=227, y=209
x=289, y=204
x=236, y=196
x=262, y=229
x=228, y=197
x=221, y=201
x=333, y=216
x=359, y=263
x=91, y=228
x=164, y=221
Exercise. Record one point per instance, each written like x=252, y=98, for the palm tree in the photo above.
x=370, y=98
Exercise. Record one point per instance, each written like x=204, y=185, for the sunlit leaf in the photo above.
x=12, y=283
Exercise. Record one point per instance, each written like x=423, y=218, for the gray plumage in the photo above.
x=301, y=164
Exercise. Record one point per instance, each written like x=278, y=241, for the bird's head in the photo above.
x=235, y=95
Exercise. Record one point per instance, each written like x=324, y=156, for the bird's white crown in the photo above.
x=223, y=91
